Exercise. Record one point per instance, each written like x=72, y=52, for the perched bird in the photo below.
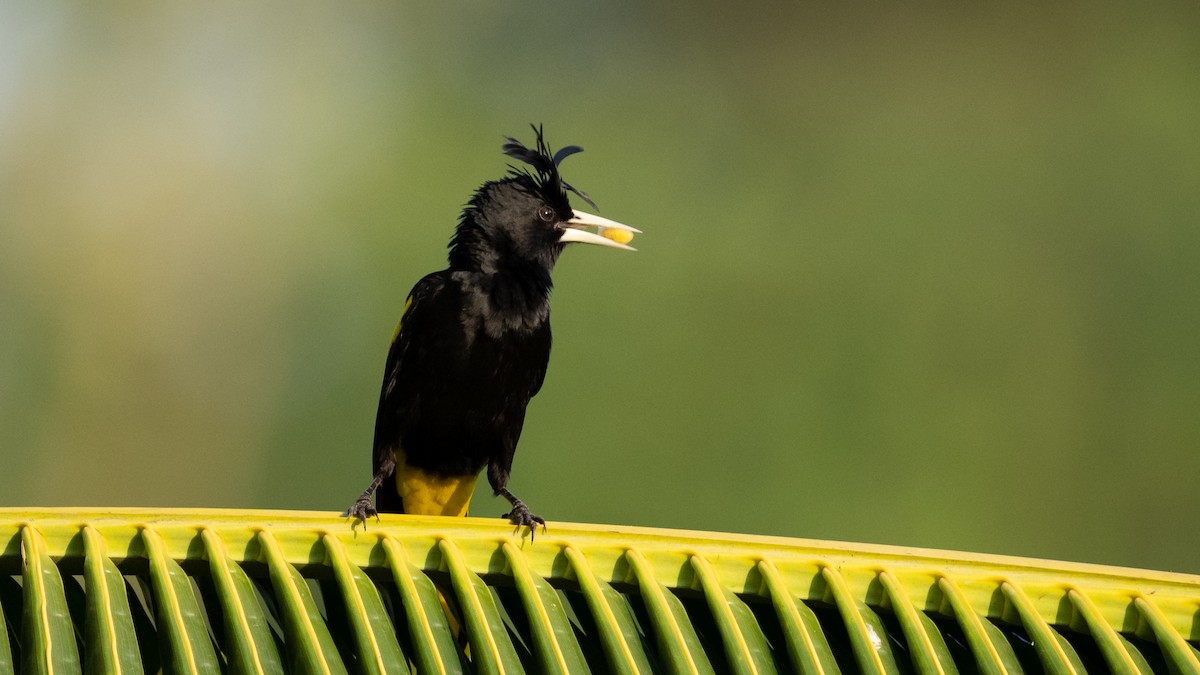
x=473, y=344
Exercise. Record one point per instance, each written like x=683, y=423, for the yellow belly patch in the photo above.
x=427, y=494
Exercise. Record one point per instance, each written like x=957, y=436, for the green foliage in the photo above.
x=273, y=592
x=109, y=637
x=47, y=634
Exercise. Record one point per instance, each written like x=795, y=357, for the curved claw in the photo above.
x=360, y=511
x=520, y=516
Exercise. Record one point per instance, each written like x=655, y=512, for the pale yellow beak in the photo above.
x=608, y=232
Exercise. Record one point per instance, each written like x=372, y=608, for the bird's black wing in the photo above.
x=398, y=396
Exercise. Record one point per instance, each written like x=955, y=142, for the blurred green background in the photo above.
x=923, y=276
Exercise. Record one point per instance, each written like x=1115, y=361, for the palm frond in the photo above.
x=273, y=592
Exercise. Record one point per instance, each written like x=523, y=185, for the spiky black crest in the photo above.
x=545, y=165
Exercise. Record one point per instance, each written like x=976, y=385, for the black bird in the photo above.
x=473, y=343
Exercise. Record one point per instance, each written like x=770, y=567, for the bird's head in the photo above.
x=526, y=218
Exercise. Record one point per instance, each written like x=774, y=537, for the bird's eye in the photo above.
x=546, y=213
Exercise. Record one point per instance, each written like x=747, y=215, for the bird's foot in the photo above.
x=361, y=510
x=520, y=516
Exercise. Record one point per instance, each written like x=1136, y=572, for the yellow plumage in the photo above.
x=428, y=494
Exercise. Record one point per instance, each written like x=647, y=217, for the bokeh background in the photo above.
x=923, y=275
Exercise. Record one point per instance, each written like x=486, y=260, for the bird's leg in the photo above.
x=363, y=509
x=520, y=514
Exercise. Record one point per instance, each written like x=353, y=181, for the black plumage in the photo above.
x=473, y=344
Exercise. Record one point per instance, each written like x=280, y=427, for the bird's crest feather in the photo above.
x=545, y=165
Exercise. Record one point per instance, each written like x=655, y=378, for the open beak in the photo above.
x=608, y=232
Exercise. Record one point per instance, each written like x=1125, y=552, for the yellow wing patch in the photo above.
x=400, y=324
x=427, y=494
